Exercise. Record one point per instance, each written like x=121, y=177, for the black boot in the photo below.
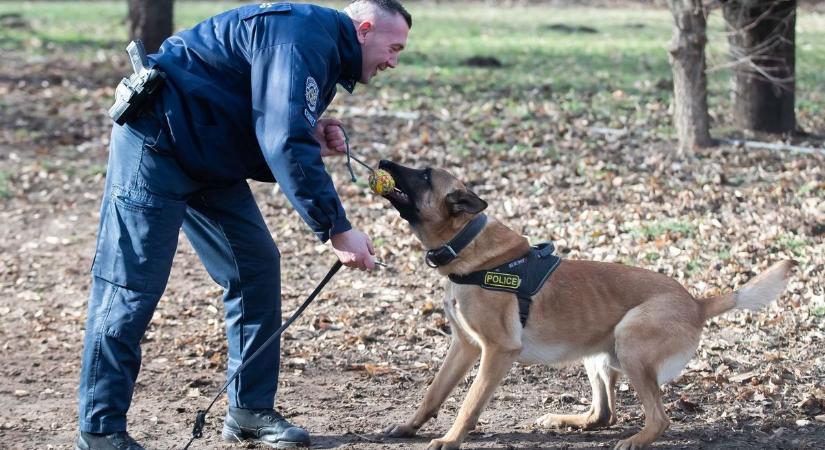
x=262, y=425
x=112, y=441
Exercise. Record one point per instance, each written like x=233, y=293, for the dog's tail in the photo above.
x=755, y=294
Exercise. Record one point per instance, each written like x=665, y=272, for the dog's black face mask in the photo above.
x=409, y=186
x=433, y=201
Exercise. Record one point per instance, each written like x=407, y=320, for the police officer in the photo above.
x=242, y=99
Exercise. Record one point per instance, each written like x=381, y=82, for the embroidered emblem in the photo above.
x=502, y=280
x=311, y=93
x=266, y=5
x=310, y=118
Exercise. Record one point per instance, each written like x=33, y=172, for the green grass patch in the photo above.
x=792, y=243
x=85, y=27
x=614, y=73
x=652, y=256
x=5, y=190
x=808, y=187
x=94, y=170
x=653, y=230
x=693, y=267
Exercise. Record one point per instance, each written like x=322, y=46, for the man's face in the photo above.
x=381, y=41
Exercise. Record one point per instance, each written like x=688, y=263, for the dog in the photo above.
x=617, y=319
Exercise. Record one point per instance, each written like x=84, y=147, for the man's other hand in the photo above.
x=354, y=249
x=328, y=133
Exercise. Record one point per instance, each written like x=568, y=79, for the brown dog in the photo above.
x=618, y=319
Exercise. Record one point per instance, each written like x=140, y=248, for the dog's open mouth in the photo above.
x=398, y=196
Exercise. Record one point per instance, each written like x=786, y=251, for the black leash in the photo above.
x=351, y=157
x=200, y=420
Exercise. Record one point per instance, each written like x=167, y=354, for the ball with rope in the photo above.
x=381, y=182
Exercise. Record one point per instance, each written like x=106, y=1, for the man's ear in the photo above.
x=464, y=201
x=362, y=29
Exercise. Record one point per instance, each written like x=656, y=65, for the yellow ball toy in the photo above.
x=381, y=182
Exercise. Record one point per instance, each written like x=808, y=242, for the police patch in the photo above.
x=502, y=280
x=310, y=118
x=311, y=94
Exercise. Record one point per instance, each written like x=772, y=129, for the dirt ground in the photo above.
x=363, y=354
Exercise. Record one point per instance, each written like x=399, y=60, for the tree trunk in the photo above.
x=762, y=43
x=690, y=85
x=150, y=21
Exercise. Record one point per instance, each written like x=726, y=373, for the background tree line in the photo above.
x=761, y=42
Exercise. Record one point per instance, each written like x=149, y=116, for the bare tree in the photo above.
x=150, y=21
x=690, y=85
x=762, y=45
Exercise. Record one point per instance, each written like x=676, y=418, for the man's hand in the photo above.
x=354, y=249
x=328, y=133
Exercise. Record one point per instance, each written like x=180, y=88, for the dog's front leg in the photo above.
x=460, y=358
x=495, y=363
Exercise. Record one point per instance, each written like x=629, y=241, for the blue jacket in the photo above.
x=244, y=90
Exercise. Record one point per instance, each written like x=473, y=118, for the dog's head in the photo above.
x=434, y=202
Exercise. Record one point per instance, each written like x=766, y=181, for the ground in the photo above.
x=362, y=356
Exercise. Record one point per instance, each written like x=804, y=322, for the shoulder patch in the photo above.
x=311, y=93
x=278, y=6
x=265, y=8
x=310, y=118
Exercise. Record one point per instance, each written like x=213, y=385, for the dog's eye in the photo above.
x=426, y=175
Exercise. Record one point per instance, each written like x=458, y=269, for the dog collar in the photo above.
x=445, y=254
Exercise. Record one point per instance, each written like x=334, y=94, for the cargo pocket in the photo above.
x=137, y=239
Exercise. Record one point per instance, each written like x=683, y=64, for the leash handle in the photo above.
x=200, y=420
x=197, y=430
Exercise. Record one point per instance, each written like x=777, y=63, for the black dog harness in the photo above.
x=523, y=276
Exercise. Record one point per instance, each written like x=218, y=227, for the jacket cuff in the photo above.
x=339, y=226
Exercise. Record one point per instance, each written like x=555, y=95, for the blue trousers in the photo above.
x=147, y=199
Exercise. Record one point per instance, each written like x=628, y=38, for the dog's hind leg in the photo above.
x=656, y=420
x=653, y=343
x=603, y=408
x=460, y=358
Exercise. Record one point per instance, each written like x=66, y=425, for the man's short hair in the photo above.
x=388, y=6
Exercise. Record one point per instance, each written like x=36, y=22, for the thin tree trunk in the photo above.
x=687, y=61
x=150, y=21
x=762, y=41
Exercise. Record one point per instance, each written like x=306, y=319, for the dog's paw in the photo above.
x=443, y=444
x=399, y=431
x=629, y=444
x=550, y=421
x=586, y=421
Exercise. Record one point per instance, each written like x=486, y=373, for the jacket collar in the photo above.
x=445, y=254
x=350, y=51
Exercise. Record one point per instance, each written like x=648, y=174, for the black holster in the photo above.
x=134, y=93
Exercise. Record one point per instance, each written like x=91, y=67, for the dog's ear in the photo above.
x=464, y=201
